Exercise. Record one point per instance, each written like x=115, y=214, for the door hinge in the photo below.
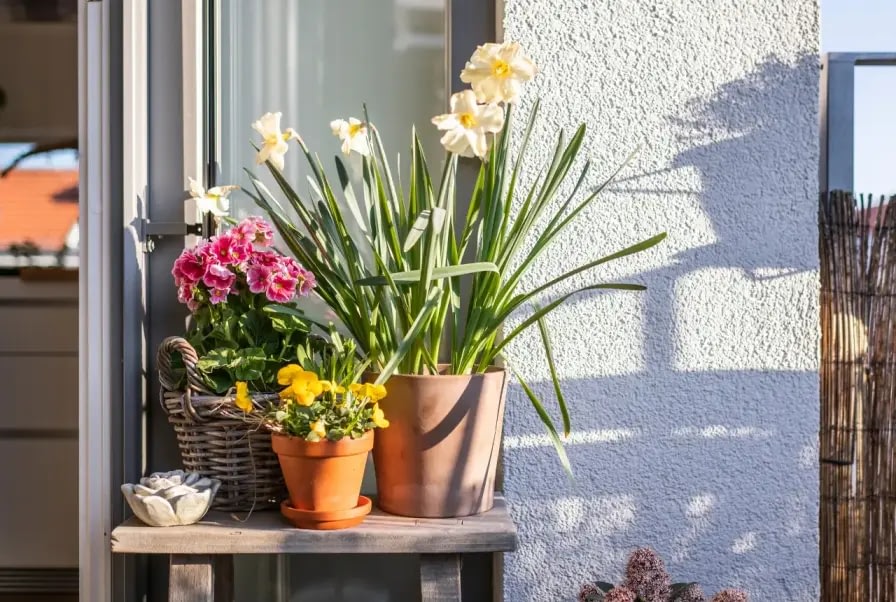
x=151, y=231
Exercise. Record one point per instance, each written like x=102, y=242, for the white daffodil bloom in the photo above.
x=469, y=126
x=496, y=71
x=353, y=134
x=273, y=141
x=214, y=200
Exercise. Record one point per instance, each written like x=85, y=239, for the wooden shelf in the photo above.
x=268, y=533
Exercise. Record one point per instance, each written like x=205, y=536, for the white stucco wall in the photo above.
x=695, y=404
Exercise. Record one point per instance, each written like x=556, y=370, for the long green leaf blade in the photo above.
x=549, y=352
x=409, y=338
x=548, y=423
x=449, y=271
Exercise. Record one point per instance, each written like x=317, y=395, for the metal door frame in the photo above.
x=837, y=115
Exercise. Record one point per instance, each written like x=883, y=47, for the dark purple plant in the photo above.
x=590, y=593
x=690, y=593
x=646, y=575
x=621, y=594
x=646, y=580
x=730, y=595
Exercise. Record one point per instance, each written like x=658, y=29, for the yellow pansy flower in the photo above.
x=243, y=401
x=305, y=388
x=305, y=398
x=287, y=373
x=372, y=392
x=379, y=417
x=319, y=429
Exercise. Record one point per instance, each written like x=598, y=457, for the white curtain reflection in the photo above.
x=318, y=60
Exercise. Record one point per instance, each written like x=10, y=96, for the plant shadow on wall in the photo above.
x=708, y=452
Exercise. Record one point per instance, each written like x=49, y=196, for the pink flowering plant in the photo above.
x=241, y=294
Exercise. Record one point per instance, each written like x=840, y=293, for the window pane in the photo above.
x=320, y=60
x=38, y=139
x=875, y=130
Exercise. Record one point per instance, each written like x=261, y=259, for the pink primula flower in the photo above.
x=218, y=295
x=282, y=288
x=218, y=276
x=185, y=293
x=258, y=278
x=306, y=282
x=253, y=230
x=227, y=264
x=268, y=259
x=190, y=267
x=229, y=250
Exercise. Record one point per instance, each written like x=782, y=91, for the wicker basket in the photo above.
x=215, y=437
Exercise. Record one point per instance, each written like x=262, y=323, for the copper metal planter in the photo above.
x=439, y=455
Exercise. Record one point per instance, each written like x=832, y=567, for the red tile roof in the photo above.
x=38, y=205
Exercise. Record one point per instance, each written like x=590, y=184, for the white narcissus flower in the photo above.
x=214, y=200
x=469, y=125
x=495, y=72
x=273, y=141
x=353, y=134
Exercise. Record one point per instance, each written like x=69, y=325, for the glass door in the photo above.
x=315, y=61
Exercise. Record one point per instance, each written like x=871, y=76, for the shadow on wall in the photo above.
x=712, y=464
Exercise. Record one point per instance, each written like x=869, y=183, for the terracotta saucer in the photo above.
x=326, y=520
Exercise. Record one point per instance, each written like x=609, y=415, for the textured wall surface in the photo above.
x=695, y=404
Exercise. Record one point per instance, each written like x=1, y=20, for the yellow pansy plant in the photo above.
x=322, y=399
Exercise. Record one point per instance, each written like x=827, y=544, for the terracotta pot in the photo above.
x=439, y=455
x=322, y=475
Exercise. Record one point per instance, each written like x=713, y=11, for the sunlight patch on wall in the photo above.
x=701, y=505
x=579, y=324
x=720, y=431
x=765, y=329
x=744, y=543
x=575, y=438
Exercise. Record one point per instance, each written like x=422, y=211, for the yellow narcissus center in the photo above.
x=500, y=68
x=467, y=120
x=355, y=128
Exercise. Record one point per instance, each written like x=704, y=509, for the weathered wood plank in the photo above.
x=191, y=578
x=440, y=577
x=269, y=533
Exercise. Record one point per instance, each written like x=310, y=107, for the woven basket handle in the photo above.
x=190, y=358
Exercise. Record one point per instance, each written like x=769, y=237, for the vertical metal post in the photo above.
x=838, y=112
x=95, y=292
x=129, y=574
